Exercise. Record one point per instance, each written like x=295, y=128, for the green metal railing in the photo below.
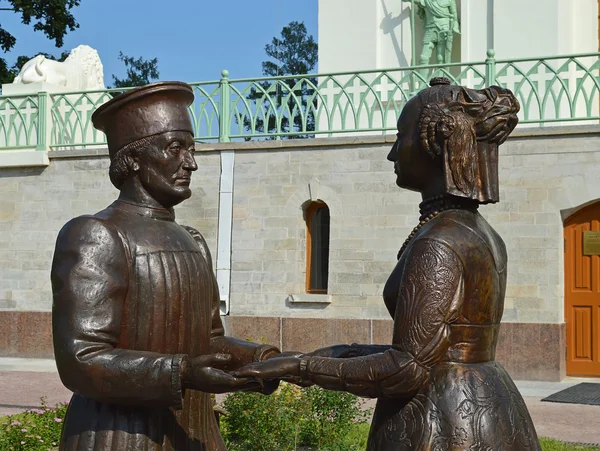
x=20, y=121
x=553, y=89
x=558, y=89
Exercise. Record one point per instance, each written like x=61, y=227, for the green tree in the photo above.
x=51, y=17
x=139, y=71
x=294, y=53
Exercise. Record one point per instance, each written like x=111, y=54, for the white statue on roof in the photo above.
x=81, y=71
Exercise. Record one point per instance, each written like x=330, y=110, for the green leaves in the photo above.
x=7, y=40
x=139, y=71
x=33, y=430
x=293, y=417
x=52, y=17
x=295, y=53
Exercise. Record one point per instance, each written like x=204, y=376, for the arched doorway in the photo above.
x=582, y=291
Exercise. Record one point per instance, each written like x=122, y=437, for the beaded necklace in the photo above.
x=432, y=207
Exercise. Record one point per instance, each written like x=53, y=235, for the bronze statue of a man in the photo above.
x=438, y=385
x=137, y=332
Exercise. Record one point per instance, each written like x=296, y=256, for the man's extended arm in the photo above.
x=242, y=351
x=455, y=27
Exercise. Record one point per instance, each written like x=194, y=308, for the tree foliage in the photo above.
x=139, y=71
x=294, y=53
x=51, y=17
x=54, y=19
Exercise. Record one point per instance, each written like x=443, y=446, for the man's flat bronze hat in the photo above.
x=145, y=111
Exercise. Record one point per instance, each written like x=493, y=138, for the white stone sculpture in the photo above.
x=81, y=71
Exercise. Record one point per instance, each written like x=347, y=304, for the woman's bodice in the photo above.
x=481, y=257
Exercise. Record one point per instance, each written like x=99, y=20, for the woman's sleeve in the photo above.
x=429, y=300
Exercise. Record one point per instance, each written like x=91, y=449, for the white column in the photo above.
x=225, y=228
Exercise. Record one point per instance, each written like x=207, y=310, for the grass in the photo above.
x=549, y=444
x=357, y=436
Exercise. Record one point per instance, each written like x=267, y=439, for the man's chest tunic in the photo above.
x=135, y=296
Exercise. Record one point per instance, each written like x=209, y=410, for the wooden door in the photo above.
x=582, y=293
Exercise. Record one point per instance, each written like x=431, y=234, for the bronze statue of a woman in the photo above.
x=438, y=385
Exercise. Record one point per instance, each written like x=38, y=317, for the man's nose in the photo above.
x=189, y=162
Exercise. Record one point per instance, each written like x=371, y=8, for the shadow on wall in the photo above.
x=388, y=25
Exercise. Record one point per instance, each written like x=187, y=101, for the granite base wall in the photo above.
x=529, y=351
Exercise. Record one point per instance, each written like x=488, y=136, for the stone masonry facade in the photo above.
x=37, y=202
x=545, y=176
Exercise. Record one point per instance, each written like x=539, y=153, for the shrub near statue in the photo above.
x=137, y=331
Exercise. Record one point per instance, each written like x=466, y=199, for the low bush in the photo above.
x=33, y=430
x=294, y=418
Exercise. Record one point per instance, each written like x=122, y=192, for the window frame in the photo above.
x=309, y=212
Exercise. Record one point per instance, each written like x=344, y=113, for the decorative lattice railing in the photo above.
x=558, y=89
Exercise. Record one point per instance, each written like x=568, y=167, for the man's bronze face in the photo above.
x=165, y=168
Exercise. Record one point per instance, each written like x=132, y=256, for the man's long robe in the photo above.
x=135, y=295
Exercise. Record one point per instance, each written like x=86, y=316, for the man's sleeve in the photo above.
x=90, y=279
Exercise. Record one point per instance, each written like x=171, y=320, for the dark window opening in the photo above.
x=317, y=247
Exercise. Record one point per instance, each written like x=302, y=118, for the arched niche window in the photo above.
x=317, y=247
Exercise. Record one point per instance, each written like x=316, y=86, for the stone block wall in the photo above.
x=37, y=202
x=543, y=176
x=369, y=221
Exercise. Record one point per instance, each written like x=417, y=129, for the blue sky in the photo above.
x=192, y=39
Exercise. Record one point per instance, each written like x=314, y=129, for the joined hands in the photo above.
x=288, y=366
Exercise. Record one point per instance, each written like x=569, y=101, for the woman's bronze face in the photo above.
x=412, y=166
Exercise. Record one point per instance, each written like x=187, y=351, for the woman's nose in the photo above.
x=393, y=155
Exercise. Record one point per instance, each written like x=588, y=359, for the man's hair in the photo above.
x=119, y=169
